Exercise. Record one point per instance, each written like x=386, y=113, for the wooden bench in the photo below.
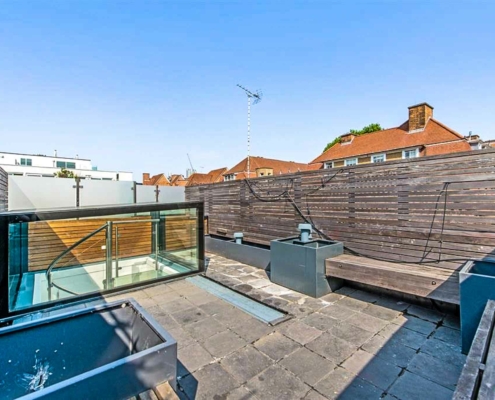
x=419, y=280
x=477, y=380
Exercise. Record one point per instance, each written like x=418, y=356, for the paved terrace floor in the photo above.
x=347, y=345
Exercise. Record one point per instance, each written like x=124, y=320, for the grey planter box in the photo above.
x=476, y=287
x=301, y=266
x=246, y=253
x=109, y=351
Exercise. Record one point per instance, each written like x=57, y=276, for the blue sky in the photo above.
x=136, y=85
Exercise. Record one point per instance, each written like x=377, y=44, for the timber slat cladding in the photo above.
x=427, y=209
x=47, y=239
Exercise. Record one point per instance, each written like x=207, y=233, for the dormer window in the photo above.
x=328, y=165
x=229, y=177
x=347, y=138
x=351, y=161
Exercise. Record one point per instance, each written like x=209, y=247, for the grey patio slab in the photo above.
x=276, y=346
x=308, y=366
x=415, y=324
x=392, y=303
x=300, y=332
x=335, y=383
x=366, y=322
x=245, y=363
x=448, y=335
x=251, y=329
x=404, y=337
x=338, y=312
x=181, y=336
x=319, y=321
x=173, y=306
x=381, y=312
x=211, y=382
x=410, y=386
x=332, y=347
x=194, y=357
x=362, y=390
x=314, y=395
x=223, y=343
x=353, y=304
x=368, y=297
x=276, y=302
x=216, y=307
x=189, y=316
x=241, y=393
x=452, y=321
x=157, y=290
x=205, y=328
x=351, y=333
x=277, y=383
x=167, y=296
x=391, y=351
x=434, y=369
x=372, y=369
x=444, y=351
x=425, y=313
x=201, y=298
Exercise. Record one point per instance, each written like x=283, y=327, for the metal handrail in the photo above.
x=108, y=225
x=68, y=249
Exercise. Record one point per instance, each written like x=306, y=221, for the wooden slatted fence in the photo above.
x=439, y=208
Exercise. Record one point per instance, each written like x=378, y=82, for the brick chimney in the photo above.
x=146, y=179
x=419, y=116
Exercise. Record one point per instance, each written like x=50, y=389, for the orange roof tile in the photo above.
x=391, y=139
x=445, y=148
x=279, y=166
x=211, y=177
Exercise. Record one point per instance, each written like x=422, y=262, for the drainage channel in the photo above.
x=260, y=311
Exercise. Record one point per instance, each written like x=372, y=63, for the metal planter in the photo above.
x=109, y=351
x=247, y=253
x=300, y=266
x=476, y=287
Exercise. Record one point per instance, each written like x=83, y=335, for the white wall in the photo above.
x=42, y=161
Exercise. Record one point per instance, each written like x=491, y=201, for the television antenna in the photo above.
x=256, y=99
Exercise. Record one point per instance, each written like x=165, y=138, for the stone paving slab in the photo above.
x=350, y=344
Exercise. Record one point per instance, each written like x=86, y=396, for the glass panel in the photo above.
x=60, y=164
x=57, y=259
x=71, y=165
x=145, y=194
x=98, y=193
x=32, y=193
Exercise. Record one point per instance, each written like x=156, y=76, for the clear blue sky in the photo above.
x=136, y=85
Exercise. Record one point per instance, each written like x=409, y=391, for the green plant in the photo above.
x=65, y=173
x=367, y=129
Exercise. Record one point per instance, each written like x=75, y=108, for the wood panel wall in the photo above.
x=427, y=209
x=47, y=239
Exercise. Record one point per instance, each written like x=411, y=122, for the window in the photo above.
x=26, y=161
x=351, y=161
x=410, y=153
x=229, y=177
x=328, y=164
x=68, y=164
x=378, y=158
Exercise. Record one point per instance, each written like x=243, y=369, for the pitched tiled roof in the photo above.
x=445, y=148
x=393, y=139
x=202, y=179
x=279, y=166
x=174, y=178
x=159, y=179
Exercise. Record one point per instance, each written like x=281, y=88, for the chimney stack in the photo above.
x=146, y=179
x=419, y=116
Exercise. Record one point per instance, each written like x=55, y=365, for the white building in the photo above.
x=46, y=166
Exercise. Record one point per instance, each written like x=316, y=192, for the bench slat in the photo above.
x=419, y=280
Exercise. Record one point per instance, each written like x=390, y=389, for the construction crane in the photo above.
x=190, y=163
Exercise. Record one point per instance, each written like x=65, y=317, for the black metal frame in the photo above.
x=83, y=212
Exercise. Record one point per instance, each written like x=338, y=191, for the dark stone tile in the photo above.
x=194, y=357
x=205, y=328
x=413, y=387
x=367, y=322
x=425, y=313
x=211, y=382
x=245, y=363
x=362, y=390
x=334, y=384
x=392, y=303
x=331, y=347
x=320, y=321
x=223, y=343
x=362, y=295
x=308, y=366
x=449, y=335
x=415, y=324
x=299, y=332
x=372, y=369
x=435, y=370
x=351, y=333
x=189, y=316
x=384, y=313
x=251, y=330
x=444, y=351
x=353, y=304
x=338, y=312
x=391, y=351
x=276, y=302
x=277, y=383
x=452, y=321
x=276, y=346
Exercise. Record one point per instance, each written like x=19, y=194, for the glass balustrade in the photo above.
x=63, y=255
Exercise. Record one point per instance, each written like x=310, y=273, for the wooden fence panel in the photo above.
x=438, y=209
